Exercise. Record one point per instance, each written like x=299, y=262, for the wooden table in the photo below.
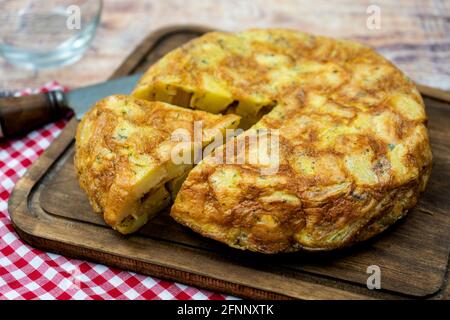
x=415, y=35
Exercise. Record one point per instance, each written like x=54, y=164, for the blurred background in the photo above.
x=414, y=34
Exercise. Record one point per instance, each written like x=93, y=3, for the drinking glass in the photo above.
x=39, y=34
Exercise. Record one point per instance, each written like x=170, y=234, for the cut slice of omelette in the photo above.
x=124, y=156
x=353, y=148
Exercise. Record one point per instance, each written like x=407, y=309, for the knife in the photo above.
x=19, y=115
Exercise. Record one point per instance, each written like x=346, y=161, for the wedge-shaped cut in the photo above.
x=222, y=81
x=125, y=151
x=153, y=203
x=353, y=147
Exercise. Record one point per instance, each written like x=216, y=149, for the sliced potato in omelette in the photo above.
x=124, y=155
x=354, y=153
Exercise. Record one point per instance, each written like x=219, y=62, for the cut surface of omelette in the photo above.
x=353, y=148
x=124, y=156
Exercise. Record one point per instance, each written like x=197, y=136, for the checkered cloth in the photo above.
x=28, y=273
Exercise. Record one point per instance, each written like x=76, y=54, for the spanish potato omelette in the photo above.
x=354, y=153
x=123, y=155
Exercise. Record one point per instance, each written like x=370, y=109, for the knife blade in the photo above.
x=81, y=100
x=19, y=115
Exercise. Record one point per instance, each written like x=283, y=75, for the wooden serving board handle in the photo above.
x=19, y=115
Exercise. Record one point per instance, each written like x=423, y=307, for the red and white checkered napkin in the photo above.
x=28, y=273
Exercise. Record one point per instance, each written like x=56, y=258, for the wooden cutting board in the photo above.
x=50, y=212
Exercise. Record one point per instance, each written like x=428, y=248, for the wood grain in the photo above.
x=49, y=211
x=415, y=35
x=19, y=115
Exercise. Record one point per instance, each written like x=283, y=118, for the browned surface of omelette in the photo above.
x=354, y=153
x=123, y=155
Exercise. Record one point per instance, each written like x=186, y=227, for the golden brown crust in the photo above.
x=354, y=149
x=123, y=154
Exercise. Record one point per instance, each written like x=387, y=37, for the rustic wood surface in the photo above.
x=50, y=211
x=415, y=35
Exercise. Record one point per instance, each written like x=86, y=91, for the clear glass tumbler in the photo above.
x=39, y=34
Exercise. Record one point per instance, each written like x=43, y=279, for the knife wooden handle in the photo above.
x=19, y=115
